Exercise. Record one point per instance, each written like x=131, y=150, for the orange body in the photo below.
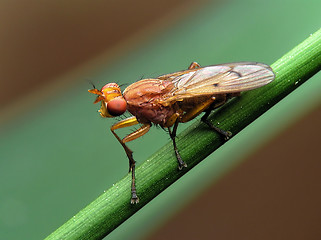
x=177, y=97
x=144, y=101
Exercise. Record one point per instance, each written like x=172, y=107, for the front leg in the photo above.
x=139, y=132
x=172, y=134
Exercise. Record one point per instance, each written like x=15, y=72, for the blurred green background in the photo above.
x=57, y=154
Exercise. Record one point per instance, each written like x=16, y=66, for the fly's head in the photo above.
x=112, y=102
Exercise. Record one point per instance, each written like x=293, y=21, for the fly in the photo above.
x=177, y=98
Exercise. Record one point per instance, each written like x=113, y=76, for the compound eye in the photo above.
x=116, y=106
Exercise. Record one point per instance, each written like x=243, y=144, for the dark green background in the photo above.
x=60, y=155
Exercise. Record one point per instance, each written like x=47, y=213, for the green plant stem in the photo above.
x=160, y=170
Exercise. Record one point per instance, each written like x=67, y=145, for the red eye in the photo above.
x=116, y=106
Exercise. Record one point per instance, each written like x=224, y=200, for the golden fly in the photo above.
x=176, y=98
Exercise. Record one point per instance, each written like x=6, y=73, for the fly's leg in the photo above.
x=172, y=134
x=134, y=199
x=207, y=107
x=225, y=134
x=194, y=65
x=139, y=132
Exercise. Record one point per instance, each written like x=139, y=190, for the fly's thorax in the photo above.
x=147, y=91
x=155, y=113
x=147, y=88
x=144, y=100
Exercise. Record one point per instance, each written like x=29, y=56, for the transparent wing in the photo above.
x=219, y=79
